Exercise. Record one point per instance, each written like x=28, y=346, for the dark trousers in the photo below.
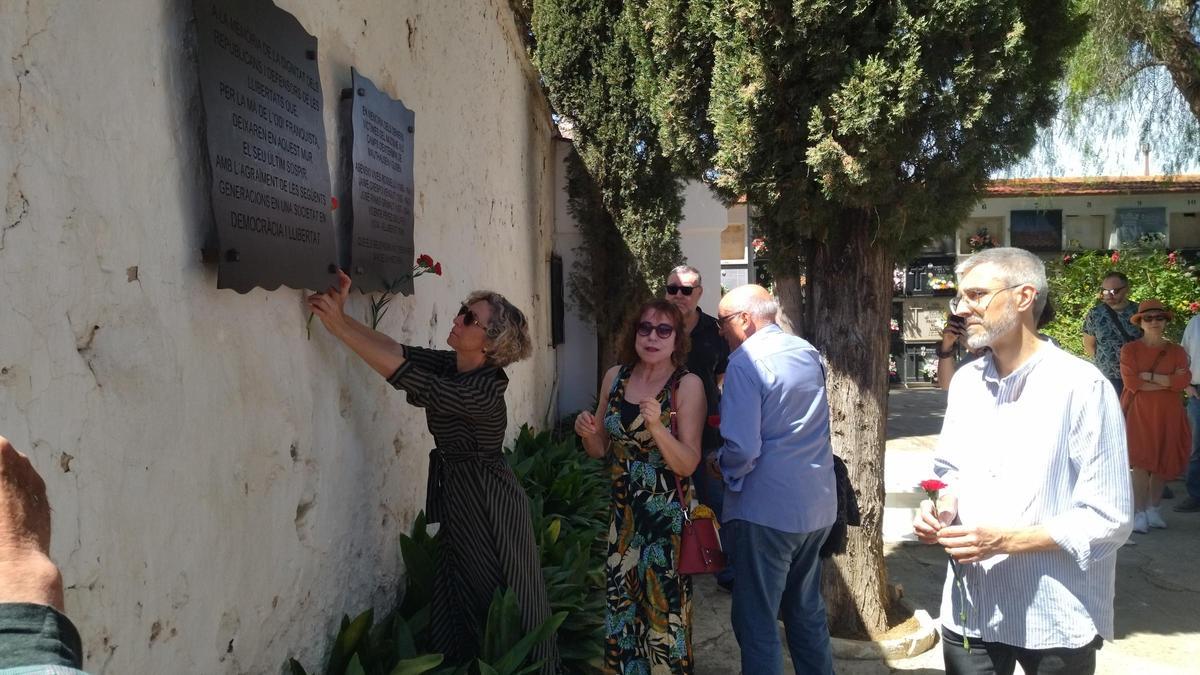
x=1119, y=385
x=779, y=576
x=986, y=658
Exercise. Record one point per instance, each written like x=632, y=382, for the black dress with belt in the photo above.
x=486, y=535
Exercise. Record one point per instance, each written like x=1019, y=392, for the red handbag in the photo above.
x=699, y=544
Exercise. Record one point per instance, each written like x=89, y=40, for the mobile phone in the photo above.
x=957, y=321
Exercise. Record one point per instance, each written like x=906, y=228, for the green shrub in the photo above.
x=1075, y=282
x=569, y=501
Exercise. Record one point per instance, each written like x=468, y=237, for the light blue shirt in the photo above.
x=777, y=460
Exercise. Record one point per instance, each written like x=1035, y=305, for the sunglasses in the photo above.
x=469, y=318
x=672, y=289
x=1154, y=318
x=1112, y=291
x=722, y=320
x=663, y=330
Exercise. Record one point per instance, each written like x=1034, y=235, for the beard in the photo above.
x=988, y=331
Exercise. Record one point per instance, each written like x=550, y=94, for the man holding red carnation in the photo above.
x=1033, y=497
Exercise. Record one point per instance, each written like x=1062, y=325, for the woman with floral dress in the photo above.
x=649, y=614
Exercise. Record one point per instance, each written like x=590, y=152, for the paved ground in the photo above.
x=1158, y=579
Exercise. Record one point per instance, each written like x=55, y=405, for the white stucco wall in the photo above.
x=576, y=356
x=223, y=487
x=704, y=217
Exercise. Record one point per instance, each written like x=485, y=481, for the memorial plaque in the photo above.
x=380, y=209
x=266, y=147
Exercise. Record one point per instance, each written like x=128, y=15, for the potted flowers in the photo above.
x=980, y=240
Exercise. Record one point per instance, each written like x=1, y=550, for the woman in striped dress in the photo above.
x=648, y=615
x=486, y=535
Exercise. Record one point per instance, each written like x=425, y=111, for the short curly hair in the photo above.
x=628, y=355
x=507, y=330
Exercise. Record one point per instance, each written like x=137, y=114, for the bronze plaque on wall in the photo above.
x=381, y=195
x=266, y=147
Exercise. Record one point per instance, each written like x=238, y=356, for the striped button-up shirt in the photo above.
x=1043, y=446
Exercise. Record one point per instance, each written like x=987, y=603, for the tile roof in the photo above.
x=1096, y=185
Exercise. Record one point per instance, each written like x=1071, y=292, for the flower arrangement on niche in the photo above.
x=894, y=326
x=980, y=240
x=939, y=283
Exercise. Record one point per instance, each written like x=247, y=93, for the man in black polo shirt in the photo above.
x=707, y=359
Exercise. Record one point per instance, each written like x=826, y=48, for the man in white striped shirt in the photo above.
x=1038, y=501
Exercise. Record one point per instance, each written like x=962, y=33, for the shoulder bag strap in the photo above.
x=1116, y=319
x=672, y=393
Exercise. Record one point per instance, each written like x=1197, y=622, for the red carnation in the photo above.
x=425, y=260
x=714, y=421
x=333, y=202
x=437, y=269
x=1194, y=307
x=1116, y=257
x=932, y=485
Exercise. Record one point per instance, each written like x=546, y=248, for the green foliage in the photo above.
x=1136, y=70
x=568, y=494
x=569, y=502
x=1153, y=274
x=587, y=56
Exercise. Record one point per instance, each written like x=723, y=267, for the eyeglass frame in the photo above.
x=469, y=318
x=1155, y=318
x=1113, y=291
x=956, y=300
x=680, y=288
x=645, y=328
x=722, y=320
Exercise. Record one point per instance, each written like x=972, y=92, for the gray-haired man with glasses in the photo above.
x=1107, y=327
x=1037, y=499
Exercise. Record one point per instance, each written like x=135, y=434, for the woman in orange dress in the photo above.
x=1155, y=373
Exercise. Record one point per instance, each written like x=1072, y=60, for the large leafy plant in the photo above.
x=568, y=495
x=1075, y=282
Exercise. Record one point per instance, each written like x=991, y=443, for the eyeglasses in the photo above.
x=721, y=320
x=663, y=330
x=1154, y=318
x=469, y=318
x=972, y=296
x=1112, y=291
x=672, y=289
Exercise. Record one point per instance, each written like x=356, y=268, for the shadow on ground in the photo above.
x=915, y=412
x=1157, y=605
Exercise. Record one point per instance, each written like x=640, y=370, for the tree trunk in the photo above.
x=849, y=297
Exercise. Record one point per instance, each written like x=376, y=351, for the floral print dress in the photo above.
x=648, y=618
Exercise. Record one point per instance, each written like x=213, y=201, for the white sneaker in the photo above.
x=1140, y=524
x=1154, y=518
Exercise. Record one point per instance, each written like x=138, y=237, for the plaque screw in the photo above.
x=232, y=255
x=362, y=92
x=310, y=54
x=332, y=268
x=410, y=130
x=358, y=270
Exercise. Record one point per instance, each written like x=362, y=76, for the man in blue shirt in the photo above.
x=780, y=494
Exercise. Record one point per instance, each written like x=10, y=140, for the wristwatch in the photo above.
x=943, y=354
